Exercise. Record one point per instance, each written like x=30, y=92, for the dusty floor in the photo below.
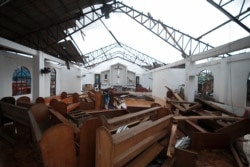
x=17, y=149
x=20, y=152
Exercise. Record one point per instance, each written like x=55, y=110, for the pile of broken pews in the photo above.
x=205, y=134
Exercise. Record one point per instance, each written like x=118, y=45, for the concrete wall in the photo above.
x=132, y=68
x=230, y=78
x=66, y=80
x=8, y=63
x=170, y=77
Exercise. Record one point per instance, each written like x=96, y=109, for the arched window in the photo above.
x=21, y=81
x=52, y=82
x=205, y=83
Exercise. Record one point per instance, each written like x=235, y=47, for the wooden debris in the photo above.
x=209, y=140
x=237, y=129
x=185, y=157
x=172, y=141
x=206, y=117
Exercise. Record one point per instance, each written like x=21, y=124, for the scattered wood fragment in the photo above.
x=172, y=141
x=206, y=117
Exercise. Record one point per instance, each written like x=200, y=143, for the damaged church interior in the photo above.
x=182, y=102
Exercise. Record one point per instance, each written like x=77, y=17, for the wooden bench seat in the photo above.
x=54, y=135
x=88, y=128
x=112, y=149
x=64, y=108
x=15, y=113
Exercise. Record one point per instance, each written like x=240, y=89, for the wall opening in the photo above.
x=205, y=84
x=21, y=81
x=52, y=82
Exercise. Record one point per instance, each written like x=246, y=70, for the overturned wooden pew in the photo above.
x=131, y=146
x=111, y=119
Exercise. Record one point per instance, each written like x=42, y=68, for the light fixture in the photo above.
x=45, y=70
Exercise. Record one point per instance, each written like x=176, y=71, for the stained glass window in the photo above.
x=21, y=81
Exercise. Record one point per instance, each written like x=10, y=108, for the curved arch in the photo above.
x=21, y=81
x=205, y=83
x=52, y=82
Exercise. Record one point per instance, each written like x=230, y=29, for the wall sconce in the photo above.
x=45, y=70
x=81, y=76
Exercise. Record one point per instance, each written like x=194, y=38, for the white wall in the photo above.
x=8, y=63
x=170, y=77
x=230, y=78
x=69, y=81
x=66, y=79
x=106, y=66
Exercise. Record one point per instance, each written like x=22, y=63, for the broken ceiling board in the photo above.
x=209, y=140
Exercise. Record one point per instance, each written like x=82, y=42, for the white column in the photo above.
x=223, y=83
x=189, y=90
x=38, y=78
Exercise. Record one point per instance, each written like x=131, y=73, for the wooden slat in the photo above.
x=15, y=113
x=206, y=117
x=199, y=128
x=112, y=150
x=62, y=119
x=172, y=140
x=185, y=158
x=217, y=107
x=88, y=142
x=237, y=129
x=209, y=140
x=57, y=147
x=116, y=122
x=147, y=156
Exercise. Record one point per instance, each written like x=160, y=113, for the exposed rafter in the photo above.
x=123, y=51
x=184, y=43
x=222, y=4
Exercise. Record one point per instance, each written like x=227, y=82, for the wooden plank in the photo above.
x=57, y=147
x=209, y=140
x=64, y=120
x=191, y=123
x=236, y=156
x=217, y=108
x=186, y=106
x=116, y=122
x=87, y=142
x=170, y=162
x=237, y=129
x=104, y=152
x=16, y=113
x=35, y=130
x=207, y=117
x=139, y=146
x=112, y=150
x=147, y=156
x=172, y=140
x=185, y=158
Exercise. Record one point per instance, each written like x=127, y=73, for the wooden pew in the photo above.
x=127, y=148
x=55, y=140
x=64, y=108
x=15, y=113
x=88, y=127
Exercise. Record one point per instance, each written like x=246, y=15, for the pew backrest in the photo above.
x=16, y=113
x=120, y=149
